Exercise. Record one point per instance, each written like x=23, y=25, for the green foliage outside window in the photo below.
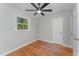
x=22, y=23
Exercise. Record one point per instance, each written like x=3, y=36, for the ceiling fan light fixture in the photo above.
x=39, y=11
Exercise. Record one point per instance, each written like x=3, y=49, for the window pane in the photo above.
x=19, y=26
x=25, y=26
x=22, y=23
x=22, y=26
x=21, y=20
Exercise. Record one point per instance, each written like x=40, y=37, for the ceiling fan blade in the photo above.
x=44, y=5
x=48, y=10
x=35, y=13
x=42, y=13
x=31, y=10
x=34, y=5
x=39, y=4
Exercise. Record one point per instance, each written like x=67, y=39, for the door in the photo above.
x=57, y=30
x=71, y=31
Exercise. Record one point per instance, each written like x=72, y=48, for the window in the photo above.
x=22, y=23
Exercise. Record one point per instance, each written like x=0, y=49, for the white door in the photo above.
x=71, y=32
x=58, y=30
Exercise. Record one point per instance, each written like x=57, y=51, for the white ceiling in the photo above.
x=57, y=7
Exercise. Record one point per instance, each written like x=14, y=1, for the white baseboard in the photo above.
x=67, y=46
x=57, y=43
x=45, y=40
x=4, y=54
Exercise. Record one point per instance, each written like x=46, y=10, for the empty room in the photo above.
x=39, y=29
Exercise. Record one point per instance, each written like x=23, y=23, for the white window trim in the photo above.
x=25, y=18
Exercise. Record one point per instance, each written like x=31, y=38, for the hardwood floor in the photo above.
x=42, y=48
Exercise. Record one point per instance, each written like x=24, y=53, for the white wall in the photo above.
x=45, y=27
x=76, y=29
x=77, y=42
x=9, y=37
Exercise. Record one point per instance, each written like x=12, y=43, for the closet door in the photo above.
x=57, y=30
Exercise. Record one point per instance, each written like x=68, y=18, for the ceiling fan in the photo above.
x=40, y=9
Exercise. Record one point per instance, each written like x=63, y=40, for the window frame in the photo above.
x=28, y=20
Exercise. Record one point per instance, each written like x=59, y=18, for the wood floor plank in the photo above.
x=42, y=48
